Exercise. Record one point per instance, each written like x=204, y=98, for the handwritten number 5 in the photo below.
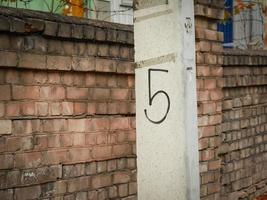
x=151, y=97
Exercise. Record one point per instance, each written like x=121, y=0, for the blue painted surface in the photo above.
x=227, y=26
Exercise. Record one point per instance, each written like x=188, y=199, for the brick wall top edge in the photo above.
x=211, y=3
x=239, y=52
x=245, y=58
x=210, y=12
x=27, y=21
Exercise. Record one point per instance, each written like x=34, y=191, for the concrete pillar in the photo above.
x=167, y=140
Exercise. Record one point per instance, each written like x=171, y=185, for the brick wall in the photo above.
x=67, y=127
x=209, y=90
x=244, y=150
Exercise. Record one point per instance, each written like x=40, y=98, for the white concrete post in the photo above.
x=166, y=116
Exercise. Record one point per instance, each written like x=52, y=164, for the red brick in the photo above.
x=8, y=59
x=210, y=59
x=78, y=139
x=28, y=160
x=90, y=79
x=101, y=181
x=100, y=93
x=121, y=177
x=52, y=92
x=91, y=108
x=90, y=139
x=216, y=95
x=80, y=108
x=22, y=127
x=5, y=127
x=121, y=150
x=54, y=157
x=101, y=108
x=78, y=184
x=12, y=109
x=207, y=131
x=59, y=62
x=77, y=93
x=67, y=78
x=210, y=84
x=209, y=108
x=101, y=139
x=216, y=71
x=5, y=92
x=211, y=34
x=207, y=178
x=123, y=190
x=203, y=143
x=214, y=165
x=77, y=125
x=6, y=194
x=25, y=92
x=42, y=108
x=2, y=109
x=101, y=80
x=53, y=141
x=203, y=46
x=28, y=108
x=213, y=188
x=203, y=95
x=83, y=64
x=55, y=109
x=27, y=143
x=67, y=108
x=119, y=123
x=120, y=94
x=132, y=188
x=25, y=193
x=6, y=161
x=40, y=77
x=215, y=119
x=132, y=136
x=66, y=140
x=80, y=154
x=206, y=155
x=97, y=124
x=101, y=152
x=12, y=76
x=105, y=65
x=40, y=142
x=26, y=77
x=55, y=125
x=54, y=78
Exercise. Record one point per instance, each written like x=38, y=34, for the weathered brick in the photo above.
x=101, y=152
x=12, y=109
x=119, y=123
x=83, y=63
x=78, y=184
x=25, y=92
x=25, y=193
x=6, y=161
x=59, y=62
x=122, y=149
x=5, y=127
x=123, y=190
x=77, y=93
x=101, y=181
x=121, y=177
x=33, y=61
x=52, y=92
x=8, y=59
x=28, y=160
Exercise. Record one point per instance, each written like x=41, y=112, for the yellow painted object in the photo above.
x=74, y=8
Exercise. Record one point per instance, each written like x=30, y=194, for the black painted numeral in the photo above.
x=151, y=97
